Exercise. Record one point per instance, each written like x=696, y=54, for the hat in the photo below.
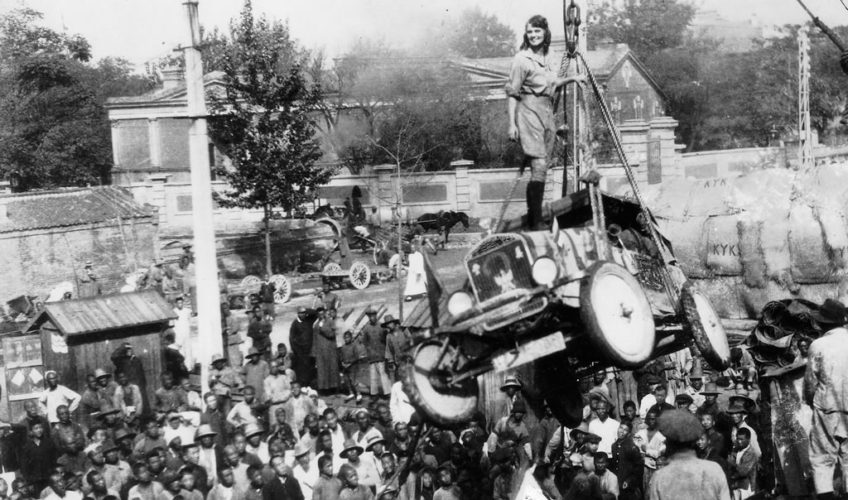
x=592, y=438
x=108, y=446
x=301, y=309
x=123, y=434
x=100, y=373
x=737, y=406
x=511, y=382
x=683, y=399
x=252, y=352
x=300, y=449
x=350, y=445
x=203, y=431
x=361, y=410
x=832, y=312
x=600, y=394
x=252, y=429
x=576, y=433
x=190, y=444
x=320, y=308
x=389, y=319
x=710, y=389
x=370, y=311
x=680, y=426
x=111, y=410
x=173, y=415
x=217, y=357
x=519, y=407
x=653, y=380
x=372, y=440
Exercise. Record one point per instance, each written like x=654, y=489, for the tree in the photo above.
x=646, y=26
x=53, y=128
x=262, y=121
x=477, y=34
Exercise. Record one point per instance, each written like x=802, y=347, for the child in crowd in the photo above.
x=351, y=356
x=447, y=490
x=351, y=489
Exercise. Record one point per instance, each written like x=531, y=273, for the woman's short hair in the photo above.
x=538, y=21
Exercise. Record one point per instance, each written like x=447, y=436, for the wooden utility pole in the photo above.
x=205, y=265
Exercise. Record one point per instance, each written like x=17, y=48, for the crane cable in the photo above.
x=631, y=178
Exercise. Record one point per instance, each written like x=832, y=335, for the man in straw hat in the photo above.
x=511, y=387
x=365, y=469
x=686, y=476
x=303, y=470
x=826, y=391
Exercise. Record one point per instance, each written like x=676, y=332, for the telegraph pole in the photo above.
x=805, y=133
x=206, y=265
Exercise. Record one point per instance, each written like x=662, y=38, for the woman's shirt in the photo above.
x=531, y=73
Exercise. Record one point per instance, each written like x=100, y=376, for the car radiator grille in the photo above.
x=501, y=270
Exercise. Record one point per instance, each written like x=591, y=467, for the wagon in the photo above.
x=359, y=272
x=242, y=293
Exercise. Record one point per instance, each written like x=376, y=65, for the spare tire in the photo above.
x=704, y=325
x=617, y=315
x=446, y=405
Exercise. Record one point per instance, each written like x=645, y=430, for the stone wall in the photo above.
x=34, y=262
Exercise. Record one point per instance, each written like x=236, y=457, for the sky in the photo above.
x=143, y=30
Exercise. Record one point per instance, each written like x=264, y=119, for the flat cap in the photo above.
x=680, y=426
x=683, y=399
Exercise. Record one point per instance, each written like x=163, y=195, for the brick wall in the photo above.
x=34, y=262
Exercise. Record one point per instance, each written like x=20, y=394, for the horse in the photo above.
x=443, y=222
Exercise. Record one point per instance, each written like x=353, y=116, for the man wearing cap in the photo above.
x=684, y=401
x=398, y=341
x=303, y=471
x=254, y=373
x=89, y=285
x=604, y=426
x=826, y=391
x=738, y=411
x=511, y=429
x=222, y=380
x=55, y=395
x=686, y=476
x=374, y=340
x=365, y=469
x=300, y=340
x=511, y=387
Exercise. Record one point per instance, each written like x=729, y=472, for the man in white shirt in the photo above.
x=399, y=405
x=605, y=427
x=56, y=395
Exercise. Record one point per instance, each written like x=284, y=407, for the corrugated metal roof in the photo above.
x=69, y=207
x=107, y=312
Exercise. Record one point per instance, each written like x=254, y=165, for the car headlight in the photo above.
x=459, y=303
x=545, y=271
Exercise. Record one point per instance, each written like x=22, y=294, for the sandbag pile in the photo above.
x=773, y=342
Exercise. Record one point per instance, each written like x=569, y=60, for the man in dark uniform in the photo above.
x=128, y=363
x=300, y=338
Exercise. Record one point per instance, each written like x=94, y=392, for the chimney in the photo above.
x=172, y=77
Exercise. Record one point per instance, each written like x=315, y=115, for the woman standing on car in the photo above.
x=532, y=85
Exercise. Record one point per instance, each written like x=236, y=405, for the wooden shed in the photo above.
x=74, y=337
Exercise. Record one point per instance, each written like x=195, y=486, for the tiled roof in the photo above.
x=107, y=312
x=164, y=94
x=68, y=207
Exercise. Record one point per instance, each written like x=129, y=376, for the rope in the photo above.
x=631, y=178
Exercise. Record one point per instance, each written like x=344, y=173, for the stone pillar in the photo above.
x=116, y=164
x=463, y=184
x=662, y=129
x=154, y=143
x=634, y=140
x=386, y=191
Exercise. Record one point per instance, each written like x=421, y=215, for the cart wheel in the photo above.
x=331, y=269
x=560, y=389
x=251, y=284
x=282, y=288
x=617, y=315
x=360, y=275
x=445, y=405
x=705, y=327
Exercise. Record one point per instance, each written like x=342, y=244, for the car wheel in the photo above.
x=443, y=404
x=617, y=315
x=560, y=389
x=705, y=327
